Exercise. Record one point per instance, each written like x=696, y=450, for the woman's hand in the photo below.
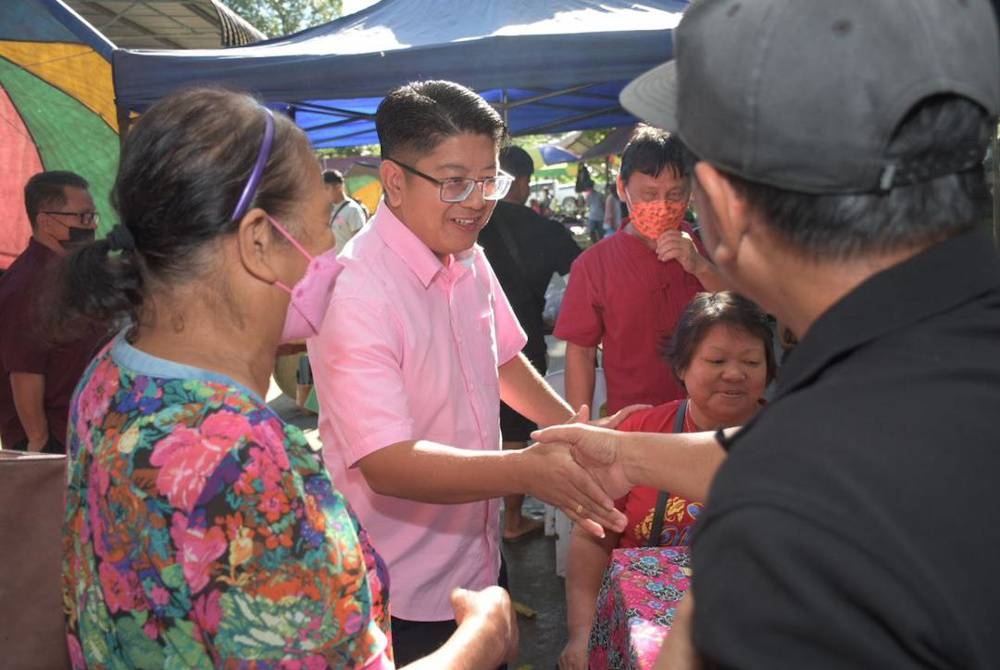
x=491, y=613
x=486, y=636
x=574, y=655
x=615, y=419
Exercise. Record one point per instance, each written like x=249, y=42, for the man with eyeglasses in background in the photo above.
x=627, y=291
x=37, y=377
x=418, y=348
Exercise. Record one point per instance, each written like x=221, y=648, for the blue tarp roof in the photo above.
x=547, y=65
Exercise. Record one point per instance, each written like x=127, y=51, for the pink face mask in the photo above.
x=652, y=219
x=310, y=296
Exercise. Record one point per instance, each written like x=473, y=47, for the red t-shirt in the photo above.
x=639, y=504
x=24, y=349
x=621, y=295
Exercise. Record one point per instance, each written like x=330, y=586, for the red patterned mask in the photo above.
x=652, y=219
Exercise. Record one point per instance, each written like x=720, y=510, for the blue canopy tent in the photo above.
x=547, y=66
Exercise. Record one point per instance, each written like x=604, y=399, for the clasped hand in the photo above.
x=582, y=481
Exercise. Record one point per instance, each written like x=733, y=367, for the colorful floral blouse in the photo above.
x=201, y=531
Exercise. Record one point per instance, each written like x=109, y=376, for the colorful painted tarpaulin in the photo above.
x=57, y=111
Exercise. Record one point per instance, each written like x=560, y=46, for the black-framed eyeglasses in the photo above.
x=457, y=189
x=86, y=218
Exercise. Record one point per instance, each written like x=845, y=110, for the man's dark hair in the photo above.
x=841, y=227
x=333, y=177
x=515, y=161
x=651, y=150
x=47, y=189
x=413, y=119
x=710, y=309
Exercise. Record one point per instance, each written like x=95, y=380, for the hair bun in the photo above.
x=121, y=239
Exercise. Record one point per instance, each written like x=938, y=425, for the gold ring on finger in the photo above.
x=579, y=509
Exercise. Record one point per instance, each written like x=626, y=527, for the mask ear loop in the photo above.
x=295, y=243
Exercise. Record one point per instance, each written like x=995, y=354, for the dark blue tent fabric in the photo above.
x=547, y=65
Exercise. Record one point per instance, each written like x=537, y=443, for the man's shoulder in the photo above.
x=19, y=286
x=515, y=214
x=364, y=265
x=852, y=432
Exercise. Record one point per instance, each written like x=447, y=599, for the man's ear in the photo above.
x=392, y=182
x=255, y=243
x=620, y=187
x=729, y=215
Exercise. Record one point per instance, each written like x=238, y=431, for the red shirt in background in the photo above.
x=639, y=504
x=621, y=295
x=23, y=348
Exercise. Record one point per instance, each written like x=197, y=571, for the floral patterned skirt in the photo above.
x=640, y=592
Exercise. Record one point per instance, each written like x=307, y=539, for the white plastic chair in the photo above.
x=556, y=521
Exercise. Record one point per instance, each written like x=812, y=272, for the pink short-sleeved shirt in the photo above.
x=409, y=350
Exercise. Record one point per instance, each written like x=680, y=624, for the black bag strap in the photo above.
x=337, y=211
x=661, y=500
x=514, y=252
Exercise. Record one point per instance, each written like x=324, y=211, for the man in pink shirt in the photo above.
x=416, y=352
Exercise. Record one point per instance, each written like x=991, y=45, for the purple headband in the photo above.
x=250, y=190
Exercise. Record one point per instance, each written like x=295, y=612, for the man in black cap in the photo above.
x=840, y=185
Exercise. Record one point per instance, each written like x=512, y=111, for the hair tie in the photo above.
x=121, y=239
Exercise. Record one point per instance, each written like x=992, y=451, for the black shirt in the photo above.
x=855, y=521
x=524, y=261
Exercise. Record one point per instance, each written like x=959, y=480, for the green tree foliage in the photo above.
x=282, y=17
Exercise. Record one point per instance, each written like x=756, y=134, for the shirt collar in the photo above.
x=936, y=280
x=414, y=253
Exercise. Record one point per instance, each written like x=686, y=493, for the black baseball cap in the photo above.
x=806, y=94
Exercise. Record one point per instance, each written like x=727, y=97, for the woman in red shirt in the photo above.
x=722, y=353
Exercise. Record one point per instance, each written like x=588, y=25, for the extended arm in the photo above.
x=437, y=473
x=587, y=559
x=685, y=464
x=486, y=636
x=28, y=390
x=581, y=373
x=525, y=391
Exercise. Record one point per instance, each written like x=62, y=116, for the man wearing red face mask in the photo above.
x=627, y=291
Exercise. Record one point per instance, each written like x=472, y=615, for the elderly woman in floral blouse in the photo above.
x=201, y=530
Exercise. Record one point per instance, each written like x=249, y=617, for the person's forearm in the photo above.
x=429, y=472
x=685, y=464
x=28, y=390
x=466, y=649
x=587, y=559
x=709, y=277
x=527, y=393
x=580, y=375
x=678, y=652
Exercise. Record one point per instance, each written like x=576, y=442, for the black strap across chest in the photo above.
x=661, y=500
